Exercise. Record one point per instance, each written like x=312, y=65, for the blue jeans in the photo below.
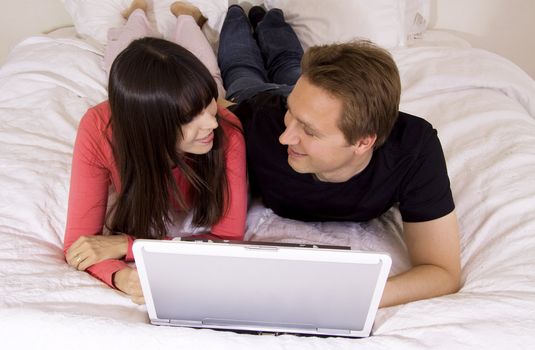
x=269, y=63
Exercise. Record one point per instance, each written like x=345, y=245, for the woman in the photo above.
x=163, y=145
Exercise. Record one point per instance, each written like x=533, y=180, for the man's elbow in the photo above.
x=453, y=284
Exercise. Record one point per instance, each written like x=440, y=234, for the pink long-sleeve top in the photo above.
x=94, y=170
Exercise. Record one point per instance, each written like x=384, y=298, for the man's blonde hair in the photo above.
x=365, y=78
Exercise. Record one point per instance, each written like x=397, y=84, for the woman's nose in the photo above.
x=209, y=121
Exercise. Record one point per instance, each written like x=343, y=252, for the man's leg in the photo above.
x=239, y=57
x=280, y=48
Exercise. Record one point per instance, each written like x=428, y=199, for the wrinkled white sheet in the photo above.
x=483, y=107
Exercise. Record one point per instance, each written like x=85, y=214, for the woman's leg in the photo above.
x=137, y=26
x=239, y=57
x=188, y=34
x=280, y=47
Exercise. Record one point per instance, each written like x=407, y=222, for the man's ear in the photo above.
x=365, y=144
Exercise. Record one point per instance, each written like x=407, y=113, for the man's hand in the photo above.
x=89, y=250
x=127, y=281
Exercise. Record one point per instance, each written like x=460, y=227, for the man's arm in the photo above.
x=434, y=252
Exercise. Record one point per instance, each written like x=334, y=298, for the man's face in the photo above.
x=315, y=143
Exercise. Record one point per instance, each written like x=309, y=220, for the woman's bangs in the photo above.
x=195, y=93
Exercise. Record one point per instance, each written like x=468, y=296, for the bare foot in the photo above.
x=184, y=8
x=136, y=4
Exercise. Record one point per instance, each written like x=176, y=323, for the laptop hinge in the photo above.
x=255, y=324
x=186, y=323
x=333, y=331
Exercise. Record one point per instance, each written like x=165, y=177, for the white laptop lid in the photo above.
x=257, y=287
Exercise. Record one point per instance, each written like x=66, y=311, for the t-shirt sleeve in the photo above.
x=88, y=193
x=426, y=193
x=244, y=111
x=260, y=106
x=232, y=225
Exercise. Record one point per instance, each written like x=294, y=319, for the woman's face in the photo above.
x=198, y=135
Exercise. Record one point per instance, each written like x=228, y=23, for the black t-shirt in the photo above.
x=409, y=169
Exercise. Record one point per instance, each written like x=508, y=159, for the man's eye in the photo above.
x=308, y=132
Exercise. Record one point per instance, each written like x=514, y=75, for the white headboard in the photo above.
x=20, y=19
x=506, y=27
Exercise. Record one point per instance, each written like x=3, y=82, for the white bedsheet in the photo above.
x=483, y=107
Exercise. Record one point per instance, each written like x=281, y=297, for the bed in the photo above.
x=482, y=105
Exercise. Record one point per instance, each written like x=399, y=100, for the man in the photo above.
x=334, y=145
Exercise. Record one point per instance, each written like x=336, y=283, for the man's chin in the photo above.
x=297, y=167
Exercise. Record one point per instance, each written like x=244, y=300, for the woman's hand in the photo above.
x=89, y=250
x=127, y=281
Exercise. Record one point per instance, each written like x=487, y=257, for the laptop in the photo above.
x=261, y=287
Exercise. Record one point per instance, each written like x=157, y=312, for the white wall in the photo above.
x=22, y=18
x=506, y=27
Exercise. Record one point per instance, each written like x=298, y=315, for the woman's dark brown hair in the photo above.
x=155, y=87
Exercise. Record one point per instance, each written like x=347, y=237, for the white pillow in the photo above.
x=93, y=18
x=387, y=23
x=213, y=10
x=417, y=14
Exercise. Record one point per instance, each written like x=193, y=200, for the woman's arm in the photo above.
x=88, y=196
x=232, y=225
x=127, y=280
x=89, y=250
